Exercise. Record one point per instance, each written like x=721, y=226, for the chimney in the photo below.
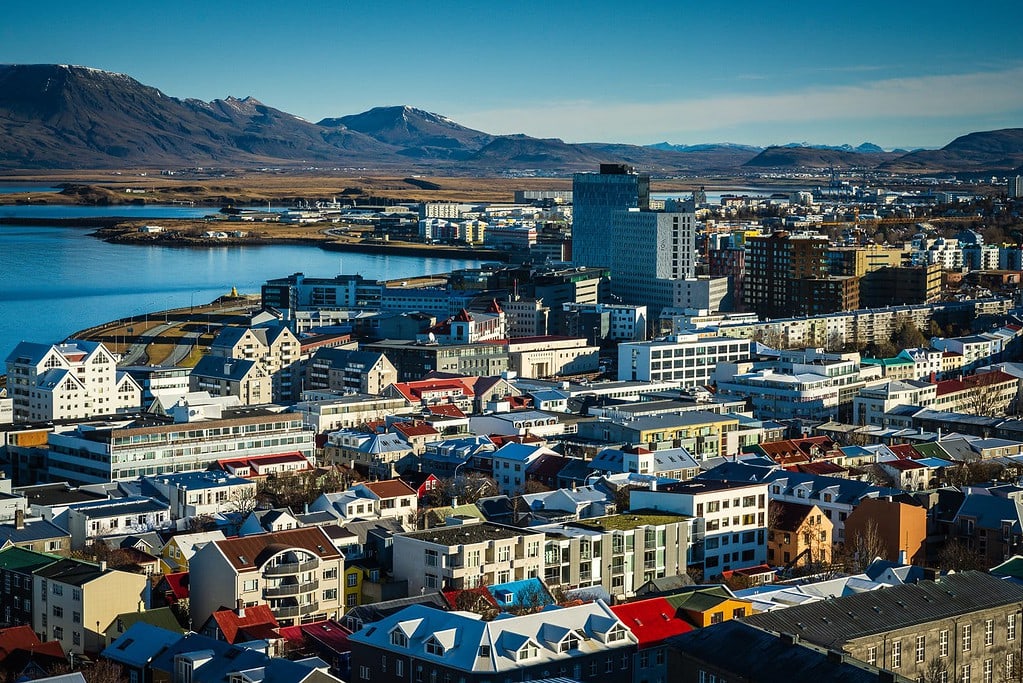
x=19, y=519
x=454, y=502
x=142, y=606
x=240, y=608
x=902, y=556
x=102, y=565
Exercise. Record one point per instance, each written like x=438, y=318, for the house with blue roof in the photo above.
x=191, y=494
x=137, y=647
x=510, y=463
x=527, y=594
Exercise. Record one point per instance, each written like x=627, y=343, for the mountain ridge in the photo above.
x=69, y=116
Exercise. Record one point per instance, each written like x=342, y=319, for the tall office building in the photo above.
x=1015, y=186
x=613, y=227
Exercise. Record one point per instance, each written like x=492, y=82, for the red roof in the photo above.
x=230, y=623
x=415, y=428
x=821, y=467
x=329, y=633
x=178, y=584
x=904, y=451
x=256, y=460
x=413, y=391
x=390, y=488
x=481, y=593
x=652, y=620
x=23, y=638
x=446, y=410
x=903, y=465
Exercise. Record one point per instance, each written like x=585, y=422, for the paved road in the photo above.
x=136, y=354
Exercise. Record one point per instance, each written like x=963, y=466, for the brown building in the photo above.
x=798, y=535
x=858, y=261
x=774, y=265
x=901, y=528
x=815, y=296
x=896, y=286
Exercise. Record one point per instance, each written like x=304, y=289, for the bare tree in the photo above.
x=935, y=671
x=865, y=547
x=956, y=555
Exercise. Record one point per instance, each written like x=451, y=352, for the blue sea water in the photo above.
x=57, y=280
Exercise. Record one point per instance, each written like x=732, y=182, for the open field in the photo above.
x=254, y=187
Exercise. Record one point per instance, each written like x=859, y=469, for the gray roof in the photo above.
x=368, y=614
x=833, y=623
x=989, y=511
x=847, y=491
x=231, y=369
x=463, y=534
x=766, y=658
x=34, y=530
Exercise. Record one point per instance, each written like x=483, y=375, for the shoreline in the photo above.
x=119, y=230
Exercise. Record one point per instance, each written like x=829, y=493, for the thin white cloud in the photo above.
x=929, y=97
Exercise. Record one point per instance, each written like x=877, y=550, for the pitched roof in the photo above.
x=231, y=624
x=832, y=623
x=789, y=516
x=249, y=552
x=390, y=488
x=139, y=644
x=766, y=658
x=652, y=620
x=24, y=639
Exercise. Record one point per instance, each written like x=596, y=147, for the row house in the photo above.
x=260, y=467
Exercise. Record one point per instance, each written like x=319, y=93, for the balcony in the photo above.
x=292, y=611
x=290, y=589
x=289, y=568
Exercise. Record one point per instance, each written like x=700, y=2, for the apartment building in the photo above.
x=71, y=381
x=617, y=552
x=192, y=494
x=296, y=572
x=347, y=370
x=328, y=412
x=274, y=348
x=112, y=451
x=74, y=602
x=466, y=554
x=133, y=515
x=687, y=360
x=242, y=378
x=732, y=531
x=702, y=433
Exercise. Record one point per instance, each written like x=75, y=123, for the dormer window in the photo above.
x=528, y=651
x=571, y=642
x=434, y=647
x=616, y=634
x=399, y=639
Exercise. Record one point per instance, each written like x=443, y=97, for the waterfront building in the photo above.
x=70, y=381
x=347, y=370
x=298, y=292
x=606, y=322
x=273, y=347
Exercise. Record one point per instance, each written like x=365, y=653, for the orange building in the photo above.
x=798, y=534
x=901, y=528
x=706, y=606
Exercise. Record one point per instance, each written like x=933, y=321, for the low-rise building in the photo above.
x=585, y=642
x=136, y=514
x=297, y=573
x=191, y=494
x=687, y=360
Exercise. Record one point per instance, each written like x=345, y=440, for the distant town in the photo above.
x=652, y=437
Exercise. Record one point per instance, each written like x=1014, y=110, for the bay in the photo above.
x=57, y=280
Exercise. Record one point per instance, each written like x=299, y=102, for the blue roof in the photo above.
x=139, y=644
x=516, y=451
x=990, y=511
x=195, y=481
x=234, y=369
x=843, y=490
x=510, y=594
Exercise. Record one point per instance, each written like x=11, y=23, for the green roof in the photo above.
x=700, y=600
x=24, y=560
x=1011, y=567
x=930, y=449
x=629, y=520
x=162, y=617
x=439, y=514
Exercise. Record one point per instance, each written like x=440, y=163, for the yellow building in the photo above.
x=706, y=606
x=798, y=535
x=352, y=586
x=179, y=550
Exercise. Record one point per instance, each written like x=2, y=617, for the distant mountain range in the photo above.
x=58, y=116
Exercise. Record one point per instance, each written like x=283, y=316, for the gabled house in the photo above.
x=241, y=378
x=241, y=625
x=181, y=548
x=372, y=500
x=269, y=521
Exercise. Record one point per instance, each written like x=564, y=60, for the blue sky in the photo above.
x=900, y=73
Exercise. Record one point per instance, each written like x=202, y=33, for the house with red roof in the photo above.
x=417, y=433
x=653, y=621
x=427, y=393
x=259, y=467
x=469, y=328
x=20, y=648
x=242, y=624
x=171, y=589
